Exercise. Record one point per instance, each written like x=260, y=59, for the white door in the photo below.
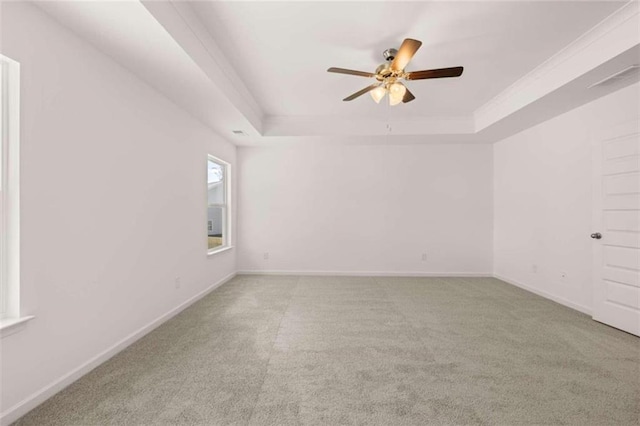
x=616, y=227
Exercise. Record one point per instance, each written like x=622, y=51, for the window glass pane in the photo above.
x=215, y=226
x=216, y=193
x=217, y=209
x=215, y=183
x=215, y=172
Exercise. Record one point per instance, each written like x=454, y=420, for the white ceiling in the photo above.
x=261, y=66
x=126, y=31
x=281, y=50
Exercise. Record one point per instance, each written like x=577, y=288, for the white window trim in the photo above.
x=10, y=315
x=227, y=224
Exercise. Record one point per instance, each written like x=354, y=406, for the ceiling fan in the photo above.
x=391, y=72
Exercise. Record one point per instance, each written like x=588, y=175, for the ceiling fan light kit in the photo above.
x=378, y=93
x=392, y=71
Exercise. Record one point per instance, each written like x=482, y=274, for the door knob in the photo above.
x=596, y=236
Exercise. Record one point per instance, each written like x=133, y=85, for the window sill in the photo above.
x=9, y=326
x=219, y=250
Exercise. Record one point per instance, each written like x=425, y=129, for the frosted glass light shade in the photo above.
x=394, y=99
x=396, y=93
x=378, y=93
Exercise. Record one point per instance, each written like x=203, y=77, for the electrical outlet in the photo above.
x=534, y=268
x=178, y=283
x=424, y=257
x=266, y=255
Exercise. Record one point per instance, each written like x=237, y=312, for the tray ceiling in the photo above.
x=281, y=50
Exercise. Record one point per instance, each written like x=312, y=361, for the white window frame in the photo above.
x=226, y=205
x=10, y=313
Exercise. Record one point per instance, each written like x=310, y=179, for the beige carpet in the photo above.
x=381, y=351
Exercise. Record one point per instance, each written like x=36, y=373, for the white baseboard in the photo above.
x=37, y=398
x=557, y=299
x=367, y=273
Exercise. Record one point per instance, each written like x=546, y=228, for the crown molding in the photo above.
x=354, y=126
x=616, y=34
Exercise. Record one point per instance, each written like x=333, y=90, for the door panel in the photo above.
x=621, y=257
x=616, y=215
x=622, y=184
x=619, y=275
x=621, y=220
x=622, y=294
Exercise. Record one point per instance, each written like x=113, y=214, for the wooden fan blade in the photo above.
x=350, y=72
x=438, y=73
x=405, y=53
x=408, y=97
x=360, y=92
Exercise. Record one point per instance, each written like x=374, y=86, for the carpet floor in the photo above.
x=266, y=350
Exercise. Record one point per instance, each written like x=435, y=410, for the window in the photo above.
x=218, y=216
x=9, y=192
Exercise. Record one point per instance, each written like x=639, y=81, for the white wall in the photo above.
x=121, y=174
x=542, y=199
x=366, y=208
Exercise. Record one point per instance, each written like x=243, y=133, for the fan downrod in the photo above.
x=390, y=54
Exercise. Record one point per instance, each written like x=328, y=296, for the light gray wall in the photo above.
x=366, y=208
x=543, y=200
x=120, y=172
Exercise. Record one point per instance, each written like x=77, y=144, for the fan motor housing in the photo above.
x=384, y=70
